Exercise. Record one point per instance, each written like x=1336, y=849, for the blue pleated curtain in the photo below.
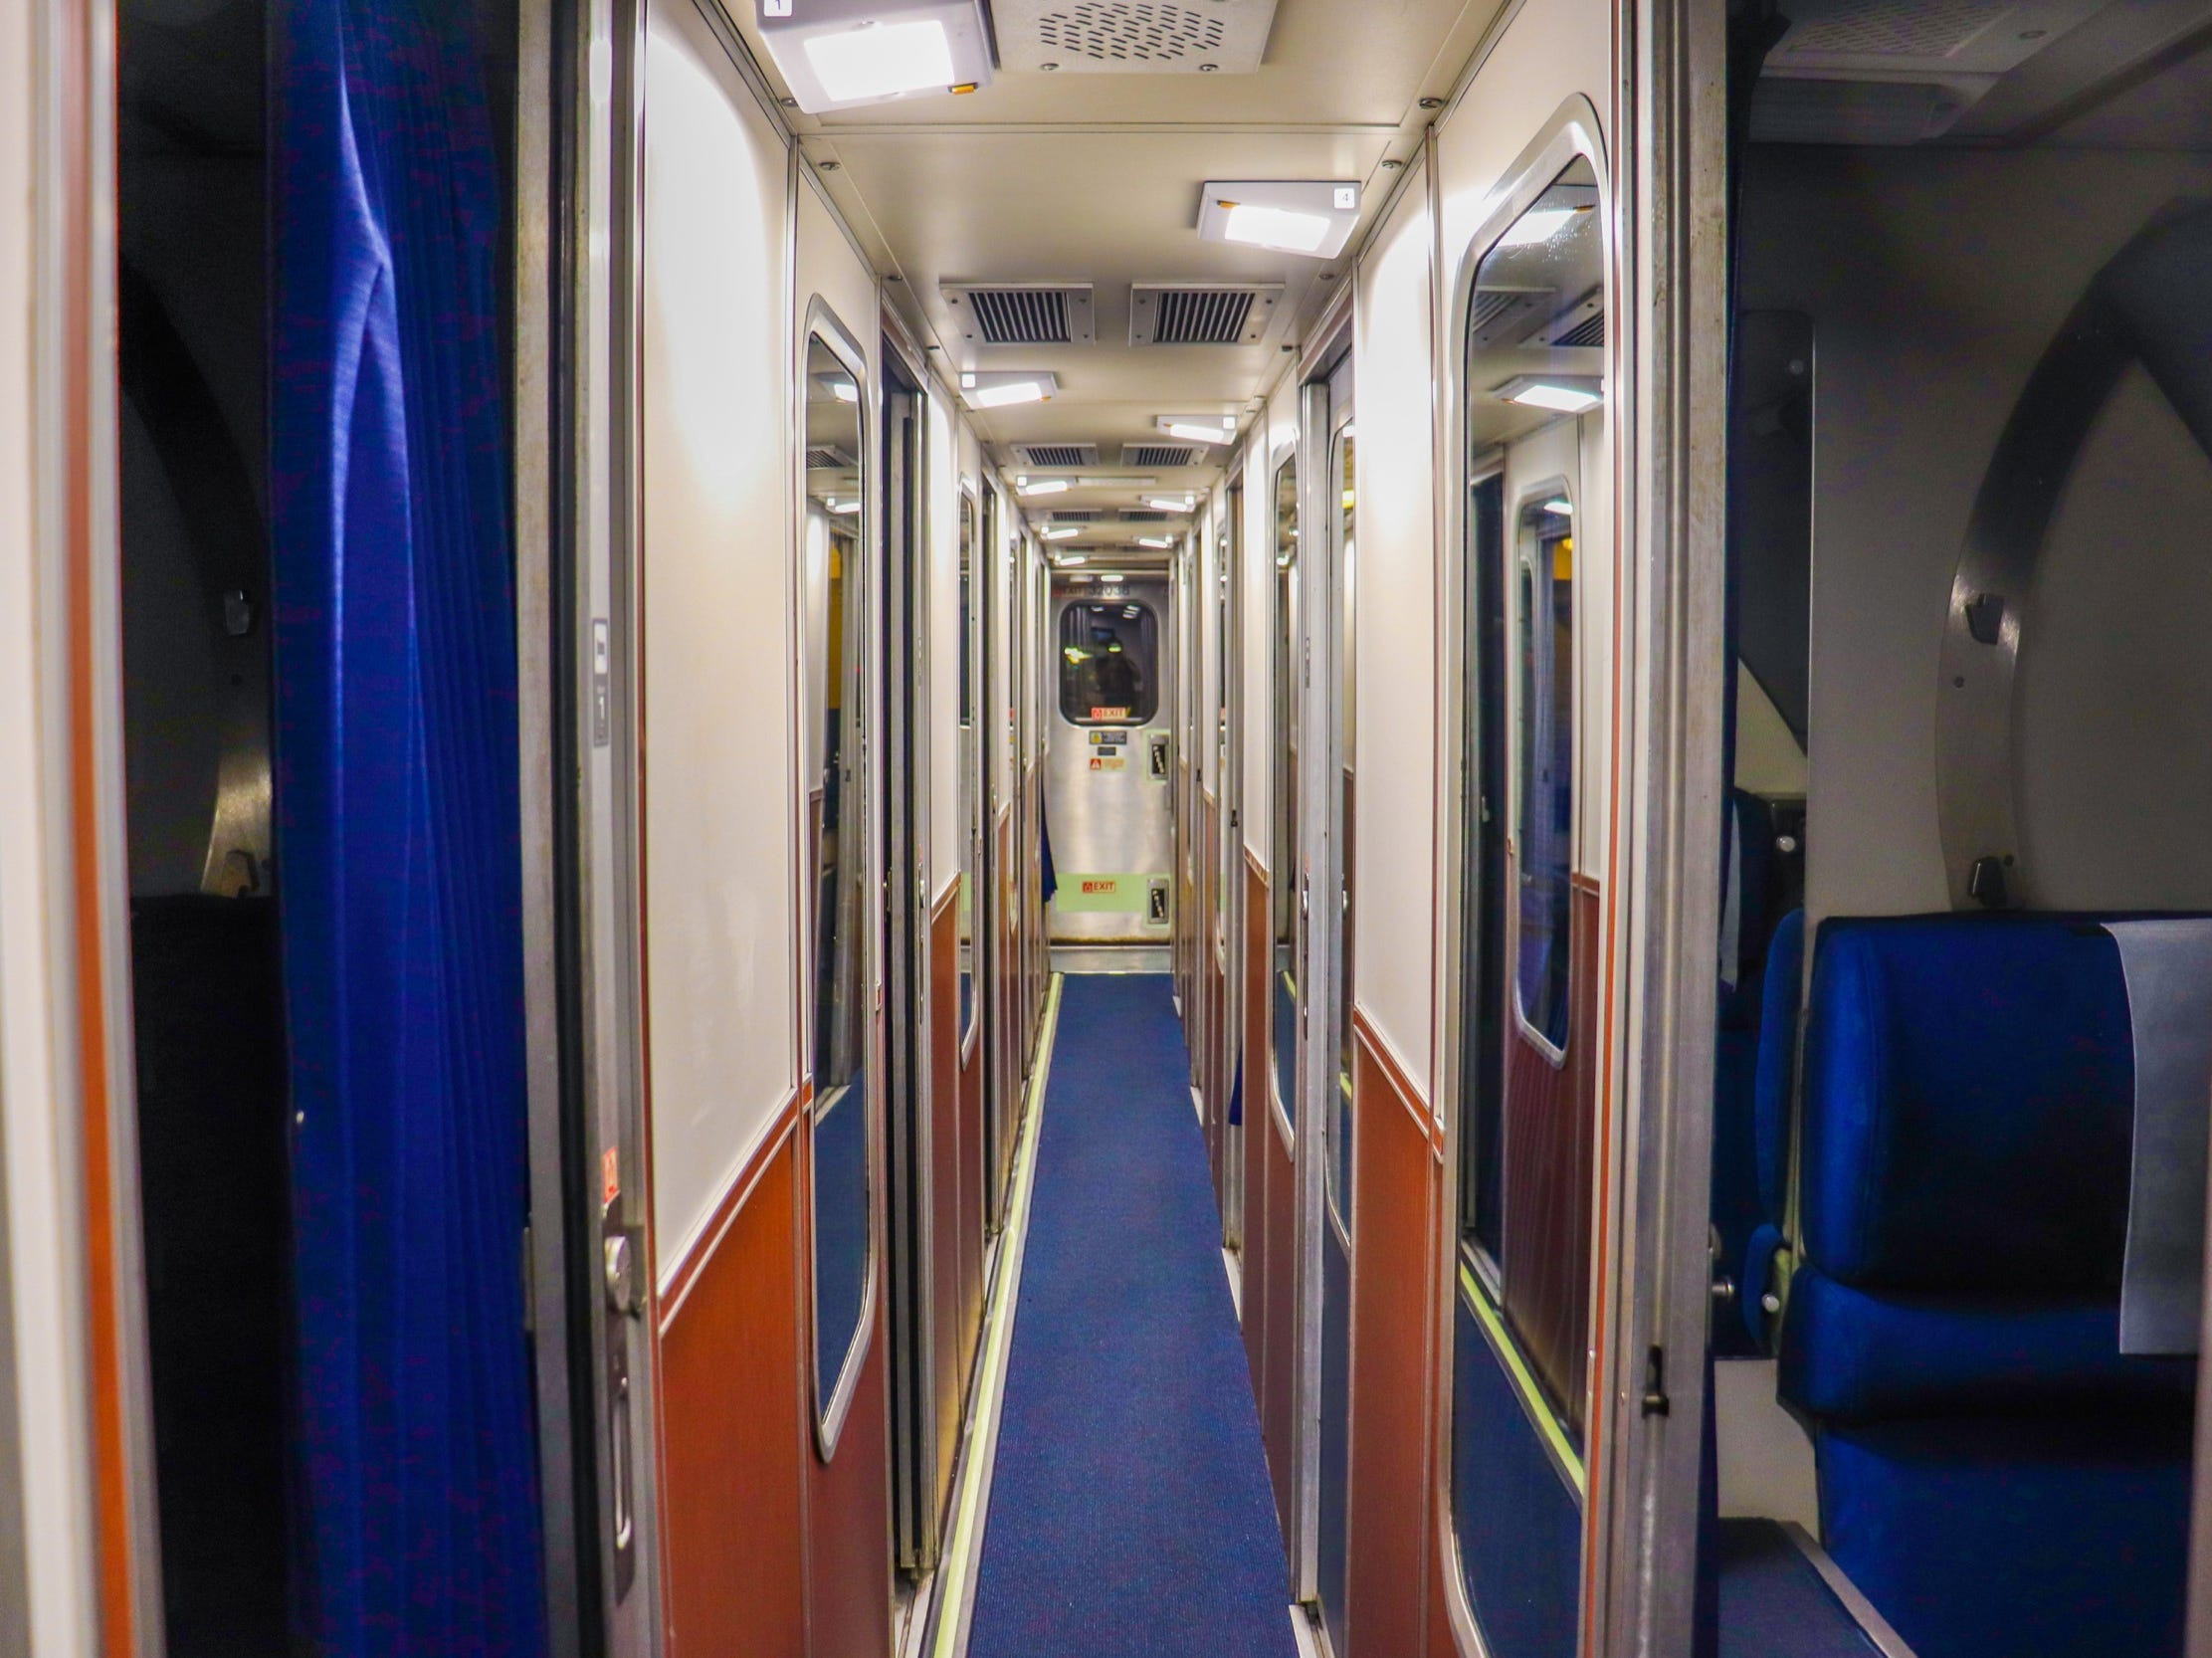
x=415, y=1479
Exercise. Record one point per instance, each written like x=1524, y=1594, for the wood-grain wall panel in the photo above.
x=849, y=1570
x=1254, y=1127
x=733, y=1417
x=1550, y=1131
x=948, y=1196
x=1397, y=1184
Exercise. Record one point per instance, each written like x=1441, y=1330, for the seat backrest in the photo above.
x=1968, y=1106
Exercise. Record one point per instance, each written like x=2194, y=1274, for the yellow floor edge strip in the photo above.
x=1532, y=1396
x=955, y=1584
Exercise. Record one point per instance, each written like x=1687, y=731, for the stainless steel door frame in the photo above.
x=578, y=310
x=1111, y=810
x=905, y=817
x=1230, y=780
x=1323, y=1250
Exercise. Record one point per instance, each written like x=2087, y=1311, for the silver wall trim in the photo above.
x=1872, y=1623
x=1671, y=363
x=539, y=360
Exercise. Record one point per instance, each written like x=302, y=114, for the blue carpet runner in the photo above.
x=1131, y=1510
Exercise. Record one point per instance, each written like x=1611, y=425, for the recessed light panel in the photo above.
x=1313, y=218
x=842, y=54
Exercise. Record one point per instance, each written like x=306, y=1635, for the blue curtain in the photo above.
x=415, y=1483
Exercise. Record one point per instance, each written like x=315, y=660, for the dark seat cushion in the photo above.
x=2008, y=1538
x=1856, y=1356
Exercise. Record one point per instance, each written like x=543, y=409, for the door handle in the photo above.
x=625, y=1292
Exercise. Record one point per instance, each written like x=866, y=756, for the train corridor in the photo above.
x=1129, y=1506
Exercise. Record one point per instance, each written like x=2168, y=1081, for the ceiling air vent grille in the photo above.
x=1220, y=314
x=1056, y=454
x=1132, y=37
x=1589, y=332
x=1021, y=313
x=823, y=457
x=1139, y=515
x=1078, y=515
x=1154, y=455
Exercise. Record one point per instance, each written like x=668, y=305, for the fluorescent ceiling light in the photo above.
x=995, y=388
x=1561, y=506
x=1283, y=229
x=1538, y=224
x=882, y=60
x=1111, y=575
x=1169, y=504
x=1068, y=560
x=1117, y=481
x=1198, y=428
x=1294, y=216
x=1044, y=486
x=1154, y=542
x=845, y=391
x=1060, y=532
x=1566, y=393
x=835, y=54
x=1012, y=392
x=844, y=509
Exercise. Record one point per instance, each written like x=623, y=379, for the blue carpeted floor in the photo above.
x=1131, y=1510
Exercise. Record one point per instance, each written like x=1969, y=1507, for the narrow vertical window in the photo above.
x=1546, y=753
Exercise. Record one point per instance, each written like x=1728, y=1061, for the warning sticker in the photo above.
x=1110, y=762
x=610, y=1175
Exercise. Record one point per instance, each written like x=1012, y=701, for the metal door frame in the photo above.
x=903, y=579
x=1321, y=951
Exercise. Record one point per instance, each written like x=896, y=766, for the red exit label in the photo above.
x=1090, y=887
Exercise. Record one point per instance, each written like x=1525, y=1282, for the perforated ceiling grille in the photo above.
x=1589, y=332
x=1158, y=454
x=1022, y=313
x=1200, y=318
x=1017, y=319
x=1056, y=454
x=1130, y=30
x=825, y=458
x=1078, y=515
x=1897, y=27
x=1489, y=304
x=1138, y=515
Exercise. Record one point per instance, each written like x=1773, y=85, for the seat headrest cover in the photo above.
x=1969, y=1091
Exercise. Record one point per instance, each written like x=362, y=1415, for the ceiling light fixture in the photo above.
x=1564, y=393
x=1169, y=504
x=1042, y=485
x=1062, y=532
x=1561, y=506
x=1004, y=388
x=1199, y=428
x=838, y=53
x=1154, y=542
x=844, y=509
x=1292, y=216
x=1068, y=560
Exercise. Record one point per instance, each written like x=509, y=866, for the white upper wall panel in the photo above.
x=719, y=876
x=1394, y=760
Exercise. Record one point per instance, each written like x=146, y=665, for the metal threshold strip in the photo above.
x=952, y=1595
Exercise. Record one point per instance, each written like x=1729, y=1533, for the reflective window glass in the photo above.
x=1108, y=663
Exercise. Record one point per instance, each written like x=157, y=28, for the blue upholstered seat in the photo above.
x=1993, y=1472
